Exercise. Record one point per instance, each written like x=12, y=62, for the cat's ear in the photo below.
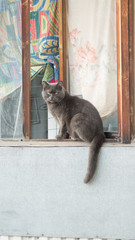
x=45, y=84
x=60, y=83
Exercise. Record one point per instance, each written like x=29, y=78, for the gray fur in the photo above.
x=77, y=118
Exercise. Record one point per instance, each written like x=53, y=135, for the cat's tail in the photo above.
x=93, y=156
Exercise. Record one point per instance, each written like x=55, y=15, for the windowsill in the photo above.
x=55, y=143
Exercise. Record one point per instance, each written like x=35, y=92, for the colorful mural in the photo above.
x=44, y=30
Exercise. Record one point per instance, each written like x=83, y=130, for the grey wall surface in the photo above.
x=42, y=193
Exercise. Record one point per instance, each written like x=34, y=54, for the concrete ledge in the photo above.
x=55, y=143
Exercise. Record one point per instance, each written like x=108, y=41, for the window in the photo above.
x=92, y=51
x=10, y=70
x=125, y=78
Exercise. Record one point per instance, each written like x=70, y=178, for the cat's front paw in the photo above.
x=59, y=137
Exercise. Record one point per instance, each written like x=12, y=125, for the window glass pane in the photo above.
x=44, y=50
x=92, y=59
x=10, y=69
x=92, y=56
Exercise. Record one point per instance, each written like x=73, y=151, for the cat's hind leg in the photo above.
x=75, y=137
x=80, y=128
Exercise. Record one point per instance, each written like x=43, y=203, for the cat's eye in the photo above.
x=56, y=93
x=48, y=93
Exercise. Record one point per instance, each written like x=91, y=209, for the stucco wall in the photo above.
x=42, y=192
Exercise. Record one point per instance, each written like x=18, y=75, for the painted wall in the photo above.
x=42, y=192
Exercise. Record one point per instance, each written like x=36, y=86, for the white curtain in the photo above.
x=92, y=52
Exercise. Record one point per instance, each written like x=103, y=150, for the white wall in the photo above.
x=42, y=192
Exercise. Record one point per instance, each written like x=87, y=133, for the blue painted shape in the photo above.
x=49, y=46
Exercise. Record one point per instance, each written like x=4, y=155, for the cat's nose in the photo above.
x=51, y=98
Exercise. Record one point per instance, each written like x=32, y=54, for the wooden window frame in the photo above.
x=125, y=59
x=125, y=76
x=26, y=81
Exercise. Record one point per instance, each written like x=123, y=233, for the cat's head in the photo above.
x=53, y=93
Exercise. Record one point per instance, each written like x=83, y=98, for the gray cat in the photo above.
x=77, y=118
